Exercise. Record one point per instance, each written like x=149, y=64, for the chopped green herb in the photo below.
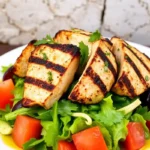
x=129, y=46
x=50, y=77
x=95, y=36
x=126, y=57
x=107, y=53
x=118, y=49
x=146, y=78
x=47, y=40
x=41, y=50
x=84, y=51
x=5, y=68
x=45, y=56
x=106, y=66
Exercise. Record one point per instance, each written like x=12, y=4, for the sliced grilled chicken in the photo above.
x=51, y=69
x=20, y=66
x=75, y=36
x=98, y=77
x=134, y=70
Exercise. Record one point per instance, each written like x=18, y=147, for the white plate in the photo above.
x=10, y=57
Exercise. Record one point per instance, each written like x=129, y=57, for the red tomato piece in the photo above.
x=6, y=93
x=64, y=145
x=135, y=138
x=148, y=124
x=26, y=128
x=89, y=139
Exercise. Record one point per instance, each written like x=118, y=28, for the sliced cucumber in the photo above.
x=5, y=128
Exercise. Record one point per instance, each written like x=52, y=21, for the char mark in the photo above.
x=96, y=79
x=108, y=41
x=66, y=48
x=124, y=80
x=105, y=59
x=27, y=102
x=39, y=83
x=48, y=64
x=138, y=57
x=32, y=42
x=136, y=70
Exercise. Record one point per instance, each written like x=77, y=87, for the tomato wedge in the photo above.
x=6, y=93
x=64, y=145
x=26, y=128
x=89, y=139
x=135, y=138
x=148, y=124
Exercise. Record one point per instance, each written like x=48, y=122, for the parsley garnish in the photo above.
x=47, y=40
x=106, y=66
x=129, y=46
x=50, y=76
x=84, y=51
x=107, y=53
x=45, y=56
x=95, y=36
x=5, y=68
x=118, y=49
x=146, y=78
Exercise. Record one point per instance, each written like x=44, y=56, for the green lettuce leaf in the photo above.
x=19, y=89
x=144, y=112
x=107, y=114
x=51, y=129
x=118, y=132
x=32, y=143
x=5, y=68
x=66, y=107
x=65, y=128
x=84, y=51
x=78, y=125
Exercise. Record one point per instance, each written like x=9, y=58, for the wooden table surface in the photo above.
x=5, y=48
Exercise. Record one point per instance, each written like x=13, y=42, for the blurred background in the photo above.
x=24, y=20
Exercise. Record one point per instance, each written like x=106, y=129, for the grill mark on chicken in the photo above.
x=108, y=41
x=27, y=101
x=96, y=79
x=140, y=59
x=105, y=59
x=137, y=71
x=66, y=48
x=47, y=64
x=39, y=83
x=124, y=79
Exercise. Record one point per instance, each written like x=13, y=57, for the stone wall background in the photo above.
x=24, y=20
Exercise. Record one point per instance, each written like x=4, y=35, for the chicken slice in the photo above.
x=134, y=69
x=98, y=77
x=51, y=69
x=20, y=66
x=75, y=36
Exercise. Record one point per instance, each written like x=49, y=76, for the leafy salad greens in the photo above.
x=65, y=118
x=60, y=122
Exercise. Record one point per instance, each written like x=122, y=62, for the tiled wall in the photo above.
x=23, y=20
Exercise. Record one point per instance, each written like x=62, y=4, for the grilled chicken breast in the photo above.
x=75, y=36
x=98, y=77
x=20, y=66
x=51, y=69
x=134, y=70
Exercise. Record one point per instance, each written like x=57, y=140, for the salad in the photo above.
x=115, y=122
